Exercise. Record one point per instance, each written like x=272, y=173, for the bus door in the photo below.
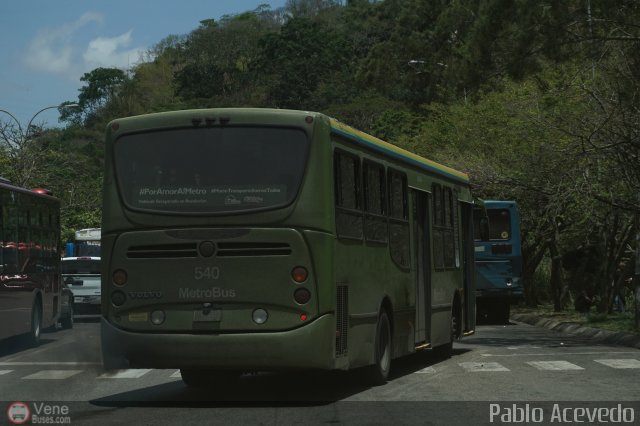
x=420, y=201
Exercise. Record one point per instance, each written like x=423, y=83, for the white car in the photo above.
x=82, y=276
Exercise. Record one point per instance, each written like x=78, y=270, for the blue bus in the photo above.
x=498, y=261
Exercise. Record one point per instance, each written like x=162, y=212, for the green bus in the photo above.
x=239, y=240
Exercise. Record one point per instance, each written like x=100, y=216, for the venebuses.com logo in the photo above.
x=19, y=413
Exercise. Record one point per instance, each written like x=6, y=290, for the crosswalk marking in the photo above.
x=483, y=366
x=124, y=374
x=619, y=363
x=52, y=374
x=426, y=370
x=554, y=365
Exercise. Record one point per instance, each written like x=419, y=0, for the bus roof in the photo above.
x=403, y=155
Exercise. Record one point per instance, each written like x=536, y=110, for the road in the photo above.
x=504, y=370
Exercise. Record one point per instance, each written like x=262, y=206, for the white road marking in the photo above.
x=5, y=372
x=554, y=365
x=125, y=374
x=52, y=374
x=72, y=363
x=426, y=370
x=563, y=354
x=176, y=374
x=482, y=366
x=619, y=363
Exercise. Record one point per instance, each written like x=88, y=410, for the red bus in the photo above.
x=30, y=283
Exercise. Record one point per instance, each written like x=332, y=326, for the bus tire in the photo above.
x=67, y=322
x=446, y=350
x=204, y=378
x=36, y=323
x=379, y=371
x=504, y=312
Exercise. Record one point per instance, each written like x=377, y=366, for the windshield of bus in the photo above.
x=80, y=266
x=211, y=170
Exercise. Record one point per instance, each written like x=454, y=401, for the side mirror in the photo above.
x=484, y=228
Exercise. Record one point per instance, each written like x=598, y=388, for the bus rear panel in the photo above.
x=499, y=262
x=213, y=269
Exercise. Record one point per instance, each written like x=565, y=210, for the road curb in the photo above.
x=604, y=336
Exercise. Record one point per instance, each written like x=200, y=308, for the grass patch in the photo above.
x=620, y=322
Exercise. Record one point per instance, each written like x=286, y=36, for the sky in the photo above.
x=47, y=45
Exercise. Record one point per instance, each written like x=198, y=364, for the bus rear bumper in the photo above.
x=513, y=294
x=307, y=347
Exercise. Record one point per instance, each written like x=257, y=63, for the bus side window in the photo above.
x=346, y=169
x=375, y=199
x=399, y=243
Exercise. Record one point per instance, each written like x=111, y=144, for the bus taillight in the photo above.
x=120, y=277
x=302, y=296
x=299, y=274
x=501, y=249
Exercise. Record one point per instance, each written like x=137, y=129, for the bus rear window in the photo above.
x=499, y=224
x=211, y=170
x=80, y=266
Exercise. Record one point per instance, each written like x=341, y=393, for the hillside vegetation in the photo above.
x=537, y=101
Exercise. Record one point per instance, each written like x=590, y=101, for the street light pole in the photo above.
x=24, y=134
x=14, y=119
x=44, y=109
x=17, y=144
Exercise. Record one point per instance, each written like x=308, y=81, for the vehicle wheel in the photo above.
x=379, y=372
x=504, y=312
x=36, y=324
x=203, y=378
x=67, y=322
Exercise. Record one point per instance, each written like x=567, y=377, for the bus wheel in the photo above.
x=36, y=324
x=204, y=378
x=504, y=312
x=379, y=372
x=67, y=322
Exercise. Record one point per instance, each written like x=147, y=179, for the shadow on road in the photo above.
x=299, y=388
x=16, y=344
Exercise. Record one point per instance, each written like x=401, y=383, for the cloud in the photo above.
x=60, y=51
x=107, y=52
x=51, y=50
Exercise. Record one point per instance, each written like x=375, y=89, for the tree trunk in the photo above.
x=532, y=256
x=558, y=289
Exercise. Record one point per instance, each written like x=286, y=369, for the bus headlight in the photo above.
x=260, y=316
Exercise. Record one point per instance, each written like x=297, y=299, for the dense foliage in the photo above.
x=537, y=101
